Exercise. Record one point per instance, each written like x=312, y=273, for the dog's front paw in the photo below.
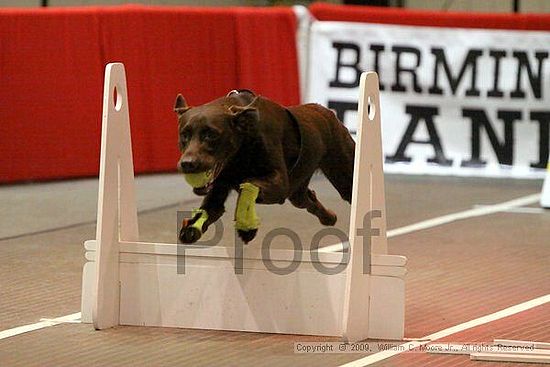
x=189, y=234
x=247, y=236
x=191, y=229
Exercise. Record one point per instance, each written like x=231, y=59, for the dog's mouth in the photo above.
x=202, y=182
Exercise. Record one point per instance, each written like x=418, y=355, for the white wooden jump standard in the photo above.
x=545, y=195
x=127, y=282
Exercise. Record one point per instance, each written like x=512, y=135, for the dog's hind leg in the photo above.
x=306, y=199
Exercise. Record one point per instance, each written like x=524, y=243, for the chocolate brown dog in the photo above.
x=244, y=138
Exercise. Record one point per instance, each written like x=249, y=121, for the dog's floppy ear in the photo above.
x=244, y=116
x=181, y=105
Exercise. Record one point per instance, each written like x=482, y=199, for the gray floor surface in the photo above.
x=43, y=226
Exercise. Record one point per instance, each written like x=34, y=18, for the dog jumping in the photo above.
x=266, y=152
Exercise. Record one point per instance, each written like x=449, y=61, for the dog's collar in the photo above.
x=237, y=91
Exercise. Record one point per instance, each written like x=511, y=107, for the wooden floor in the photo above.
x=457, y=272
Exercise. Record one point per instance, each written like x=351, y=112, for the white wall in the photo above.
x=535, y=6
x=19, y=3
x=27, y=3
x=492, y=6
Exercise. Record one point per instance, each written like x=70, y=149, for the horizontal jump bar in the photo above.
x=252, y=253
x=171, y=260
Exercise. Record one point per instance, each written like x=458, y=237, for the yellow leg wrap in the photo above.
x=245, y=214
x=201, y=220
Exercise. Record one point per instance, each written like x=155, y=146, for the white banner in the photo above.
x=454, y=101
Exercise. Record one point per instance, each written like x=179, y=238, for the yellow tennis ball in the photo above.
x=197, y=180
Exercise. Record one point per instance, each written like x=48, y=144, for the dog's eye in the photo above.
x=209, y=135
x=185, y=136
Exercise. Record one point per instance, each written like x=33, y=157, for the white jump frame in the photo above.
x=127, y=282
x=545, y=194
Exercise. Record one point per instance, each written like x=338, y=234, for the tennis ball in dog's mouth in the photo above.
x=197, y=180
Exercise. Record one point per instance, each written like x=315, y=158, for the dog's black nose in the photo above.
x=189, y=166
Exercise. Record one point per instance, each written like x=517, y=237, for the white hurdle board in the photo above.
x=127, y=282
x=545, y=194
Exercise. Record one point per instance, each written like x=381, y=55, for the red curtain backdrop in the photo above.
x=52, y=62
x=51, y=78
x=367, y=14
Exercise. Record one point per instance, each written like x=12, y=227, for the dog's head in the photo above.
x=209, y=135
